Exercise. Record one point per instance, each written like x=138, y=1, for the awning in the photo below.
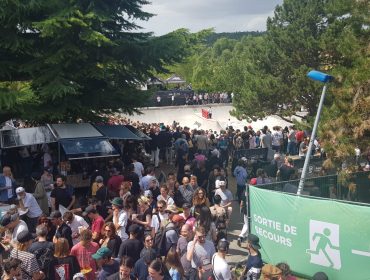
x=88, y=148
x=139, y=133
x=26, y=137
x=74, y=130
x=117, y=132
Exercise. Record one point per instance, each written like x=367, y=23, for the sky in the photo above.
x=195, y=15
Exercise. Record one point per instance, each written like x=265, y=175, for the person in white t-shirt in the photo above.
x=159, y=217
x=138, y=167
x=120, y=218
x=226, y=196
x=76, y=223
x=165, y=196
x=13, y=226
x=221, y=269
x=29, y=202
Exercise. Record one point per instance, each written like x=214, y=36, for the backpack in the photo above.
x=160, y=242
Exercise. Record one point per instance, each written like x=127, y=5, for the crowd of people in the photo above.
x=138, y=221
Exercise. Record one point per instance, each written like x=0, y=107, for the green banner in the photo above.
x=311, y=234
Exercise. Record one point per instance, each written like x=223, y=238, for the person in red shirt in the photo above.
x=83, y=252
x=299, y=136
x=114, y=182
x=97, y=222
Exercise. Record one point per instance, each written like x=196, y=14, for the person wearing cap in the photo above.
x=131, y=247
x=63, y=230
x=83, y=251
x=271, y=272
x=62, y=194
x=28, y=201
x=29, y=265
x=7, y=185
x=254, y=262
x=97, y=221
x=241, y=175
x=221, y=269
x=188, y=217
x=141, y=266
x=108, y=266
x=42, y=249
x=14, y=225
x=76, y=223
x=120, y=217
x=98, y=183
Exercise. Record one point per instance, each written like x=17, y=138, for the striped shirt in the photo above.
x=29, y=263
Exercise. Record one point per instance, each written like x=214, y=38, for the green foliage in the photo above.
x=81, y=59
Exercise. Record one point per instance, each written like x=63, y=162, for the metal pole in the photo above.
x=312, y=139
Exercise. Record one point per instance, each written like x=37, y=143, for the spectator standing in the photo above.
x=63, y=265
x=186, y=235
x=28, y=202
x=83, y=252
x=62, y=229
x=107, y=265
x=76, y=223
x=188, y=217
x=141, y=266
x=7, y=185
x=62, y=195
x=159, y=217
x=173, y=263
x=125, y=269
x=97, y=222
x=186, y=190
x=165, y=196
x=254, y=263
x=115, y=181
x=132, y=246
x=199, y=253
x=47, y=180
x=120, y=218
x=158, y=271
x=41, y=197
x=110, y=239
x=42, y=249
x=241, y=176
x=221, y=269
x=12, y=269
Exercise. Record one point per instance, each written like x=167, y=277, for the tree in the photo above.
x=78, y=58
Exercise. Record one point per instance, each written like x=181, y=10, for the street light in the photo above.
x=324, y=78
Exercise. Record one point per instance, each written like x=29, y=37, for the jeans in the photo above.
x=291, y=150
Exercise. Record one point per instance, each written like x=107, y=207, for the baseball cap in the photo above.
x=89, y=209
x=103, y=252
x=24, y=236
x=177, y=218
x=19, y=190
x=253, y=240
x=117, y=201
x=55, y=214
x=8, y=218
x=99, y=179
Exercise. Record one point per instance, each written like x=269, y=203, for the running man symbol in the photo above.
x=324, y=244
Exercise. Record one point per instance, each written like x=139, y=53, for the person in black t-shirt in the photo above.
x=42, y=249
x=132, y=246
x=63, y=230
x=286, y=171
x=62, y=195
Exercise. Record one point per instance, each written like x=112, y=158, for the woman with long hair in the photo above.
x=148, y=245
x=176, y=270
x=63, y=265
x=158, y=271
x=204, y=218
x=124, y=192
x=44, y=220
x=200, y=198
x=145, y=218
x=111, y=239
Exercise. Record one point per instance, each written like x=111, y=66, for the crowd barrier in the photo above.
x=311, y=234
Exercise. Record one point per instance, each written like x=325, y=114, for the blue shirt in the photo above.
x=241, y=175
x=175, y=275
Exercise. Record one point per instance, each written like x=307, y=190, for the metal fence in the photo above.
x=350, y=187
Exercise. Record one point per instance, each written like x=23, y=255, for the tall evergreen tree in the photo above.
x=78, y=58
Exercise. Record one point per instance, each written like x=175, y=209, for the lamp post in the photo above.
x=324, y=78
